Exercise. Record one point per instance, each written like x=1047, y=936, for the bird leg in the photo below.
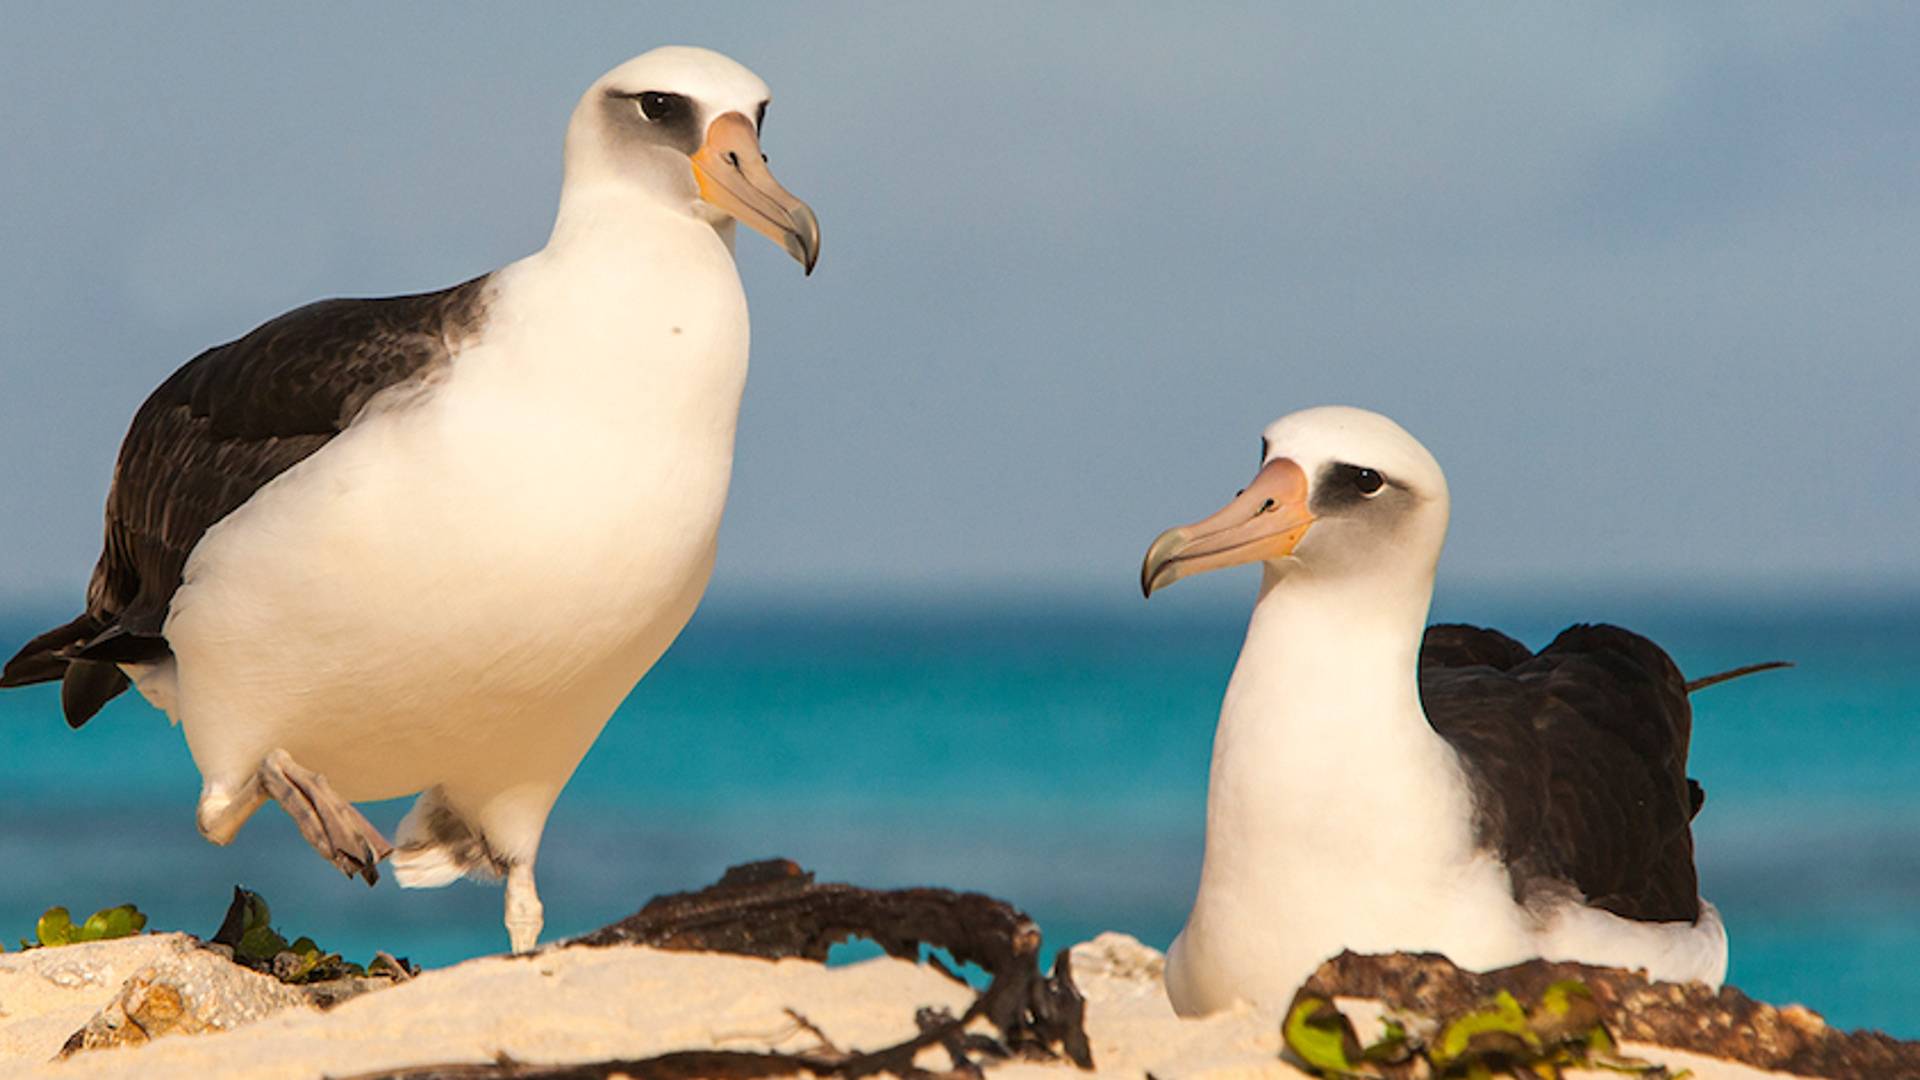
x=221, y=814
x=335, y=828
x=525, y=916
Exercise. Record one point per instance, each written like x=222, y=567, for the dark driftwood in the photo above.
x=1722, y=1023
x=775, y=910
x=680, y=1065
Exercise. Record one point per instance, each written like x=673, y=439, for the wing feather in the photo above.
x=1577, y=757
x=215, y=432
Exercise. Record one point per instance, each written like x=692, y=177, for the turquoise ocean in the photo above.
x=1049, y=751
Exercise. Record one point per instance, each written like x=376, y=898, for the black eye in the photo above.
x=657, y=105
x=1368, y=482
x=760, y=117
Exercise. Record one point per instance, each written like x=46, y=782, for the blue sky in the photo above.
x=1642, y=276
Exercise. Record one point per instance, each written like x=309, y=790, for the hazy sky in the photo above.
x=1644, y=277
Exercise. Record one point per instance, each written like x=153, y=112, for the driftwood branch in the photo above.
x=1723, y=1023
x=775, y=910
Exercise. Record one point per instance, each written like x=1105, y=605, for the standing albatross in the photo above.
x=1475, y=799
x=428, y=543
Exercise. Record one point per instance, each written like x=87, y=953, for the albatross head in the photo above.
x=1341, y=493
x=684, y=124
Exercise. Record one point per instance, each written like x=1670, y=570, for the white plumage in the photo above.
x=454, y=590
x=1337, y=816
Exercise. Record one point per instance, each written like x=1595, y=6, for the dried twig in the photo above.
x=775, y=910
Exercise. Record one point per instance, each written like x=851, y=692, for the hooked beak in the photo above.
x=733, y=176
x=1266, y=521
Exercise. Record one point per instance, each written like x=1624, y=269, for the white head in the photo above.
x=1341, y=494
x=683, y=124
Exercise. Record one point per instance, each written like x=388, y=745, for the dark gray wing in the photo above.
x=1451, y=645
x=1577, y=757
x=211, y=435
x=1486, y=715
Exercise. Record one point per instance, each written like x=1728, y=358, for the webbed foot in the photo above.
x=335, y=828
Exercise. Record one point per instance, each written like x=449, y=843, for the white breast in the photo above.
x=502, y=554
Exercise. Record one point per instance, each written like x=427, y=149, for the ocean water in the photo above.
x=1053, y=753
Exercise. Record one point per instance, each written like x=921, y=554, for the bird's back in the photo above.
x=1577, y=760
x=217, y=430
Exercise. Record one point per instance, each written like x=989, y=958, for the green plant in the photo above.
x=248, y=931
x=1500, y=1036
x=57, y=927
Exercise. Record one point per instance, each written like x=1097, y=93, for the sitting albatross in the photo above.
x=428, y=543
x=1477, y=800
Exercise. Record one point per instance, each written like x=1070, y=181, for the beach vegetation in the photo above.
x=1499, y=1036
x=57, y=927
x=248, y=931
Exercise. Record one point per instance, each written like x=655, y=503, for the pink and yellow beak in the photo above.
x=733, y=175
x=1263, y=522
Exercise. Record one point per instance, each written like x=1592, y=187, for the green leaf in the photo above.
x=292, y=966
x=1499, y=1027
x=114, y=922
x=256, y=914
x=56, y=927
x=260, y=943
x=1558, y=999
x=257, y=942
x=1321, y=1036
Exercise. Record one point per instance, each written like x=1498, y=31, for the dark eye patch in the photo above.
x=760, y=117
x=1344, y=485
x=655, y=116
x=1348, y=480
x=662, y=107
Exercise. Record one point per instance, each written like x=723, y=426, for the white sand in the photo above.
x=48, y=994
x=578, y=1005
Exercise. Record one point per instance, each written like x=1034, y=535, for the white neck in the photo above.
x=638, y=301
x=1331, y=799
x=609, y=377
x=589, y=203
x=1322, y=741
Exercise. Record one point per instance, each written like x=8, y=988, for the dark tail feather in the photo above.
x=42, y=660
x=87, y=687
x=1714, y=680
x=119, y=645
x=85, y=684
